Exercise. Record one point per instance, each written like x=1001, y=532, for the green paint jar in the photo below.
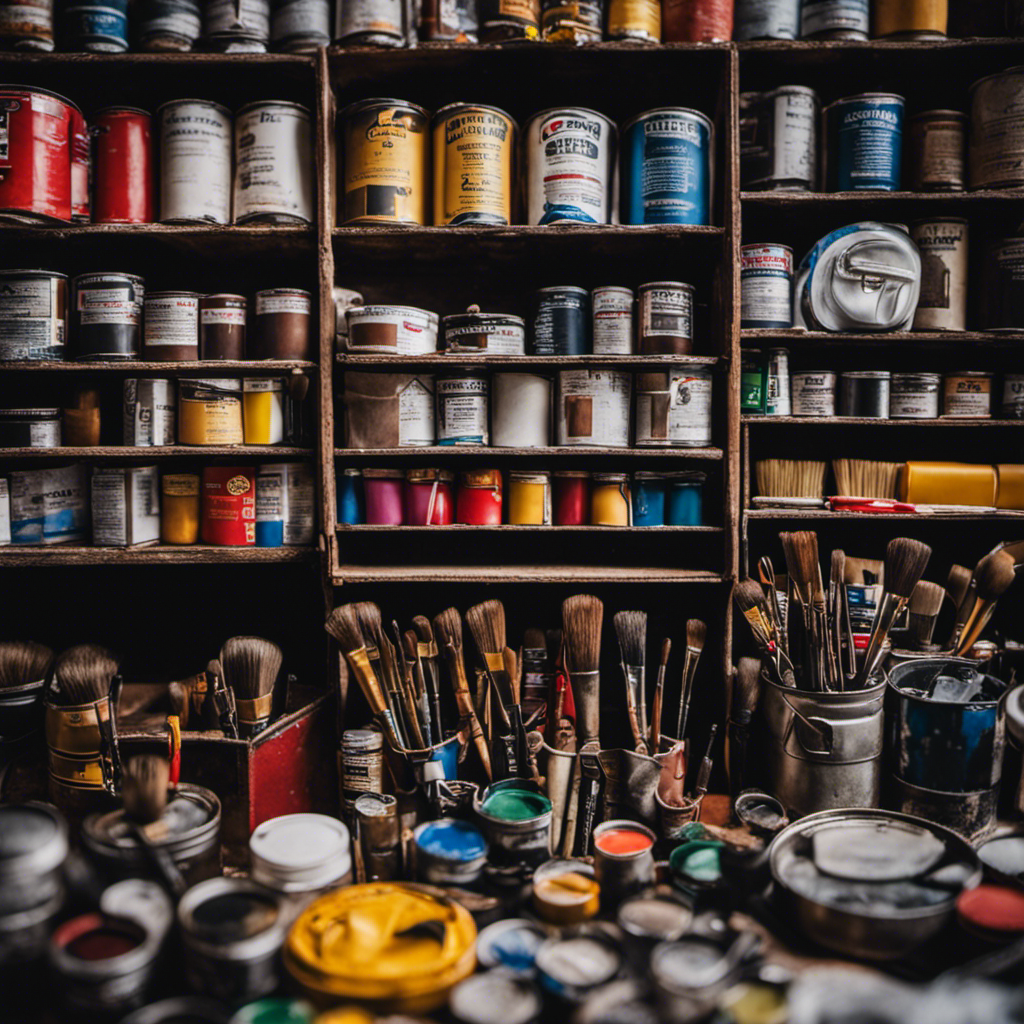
x=275, y=1011
x=516, y=818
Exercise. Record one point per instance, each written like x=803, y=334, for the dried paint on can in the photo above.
x=521, y=410
x=505, y=20
x=593, y=408
x=673, y=408
x=229, y=505
x=864, y=143
x=106, y=315
x=497, y=333
x=385, y=162
x=572, y=21
x=779, y=139
x=778, y=401
x=392, y=330
x=813, y=393
x=150, y=413
x=33, y=315
x=834, y=19
x=93, y=27
x=1004, y=310
x=167, y=26
x=171, y=326
x=667, y=167
x=29, y=428
x=943, y=302
x=474, y=153
x=449, y=852
x=864, y=394
x=123, y=171
x=665, y=318
x=914, y=396
x=26, y=26
x=766, y=286
x=612, y=306
x=300, y=26
x=570, y=166
x=236, y=26
x=936, y=151
x=766, y=19
x=910, y=19
x=1013, y=397
x=372, y=23
x=462, y=405
x=573, y=967
x=995, y=149
x=195, y=162
x=362, y=765
x=967, y=395
x=517, y=822
x=697, y=21
x=634, y=19
x=561, y=322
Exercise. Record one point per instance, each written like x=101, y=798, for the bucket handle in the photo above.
x=817, y=725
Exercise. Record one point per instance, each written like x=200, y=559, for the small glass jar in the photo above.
x=429, y=497
x=649, y=499
x=351, y=511
x=383, y=490
x=529, y=498
x=685, y=500
x=179, y=508
x=479, y=498
x=610, y=503
x=571, y=490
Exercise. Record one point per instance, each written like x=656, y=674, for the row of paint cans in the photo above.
x=569, y=156
x=840, y=19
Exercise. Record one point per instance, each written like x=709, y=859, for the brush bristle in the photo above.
x=534, y=640
x=747, y=689
x=926, y=599
x=370, y=623
x=631, y=629
x=801, y=550
x=251, y=665
x=748, y=594
x=666, y=650
x=837, y=566
x=424, y=631
x=343, y=625
x=22, y=662
x=582, y=618
x=144, y=787
x=697, y=631
x=214, y=671
x=84, y=673
x=957, y=583
x=448, y=625
x=994, y=575
x=486, y=623
x=905, y=562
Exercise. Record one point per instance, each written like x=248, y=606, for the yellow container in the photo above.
x=910, y=19
x=1011, y=486
x=635, y=19
x=179, y=508
x=529, y=498
x=210, y=412
x=567, y=899
x=948, y=483
x=610, y=501
x=263, y=410
x=74, y=738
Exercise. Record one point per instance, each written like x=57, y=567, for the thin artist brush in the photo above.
x=631, y=631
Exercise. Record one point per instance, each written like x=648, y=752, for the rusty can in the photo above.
x=167, y=26
x=171, y=326
x=910, y=19
x=634, y=19
x=697, y=21
x=222, y=326
x=26, y=25
x=943, y=302
x=474, y=152
x=936, y=151
x=122, y=166
x=372, y=23
x=300, y=26
x=509, y=20
x=834, y=19
x=995, y=150
x=236, y=26
x=665, y=315
x=195, y=162
x=572, y=21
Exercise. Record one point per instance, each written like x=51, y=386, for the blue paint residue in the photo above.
x=453, y=840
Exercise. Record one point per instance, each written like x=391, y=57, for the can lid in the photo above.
x=526, y=476
x=120, y=110
x=578, y=962
x=480, y=478
x=300, y=852
x=571, y=474
x=666, y=284
x=575, y=289
x=351, y=471
x=224, y=297
x=510, y=944
x=172, y=295
x=213, y=383
x=866, y=375
x=450, y=108
x=475, y=1000
x=451, y=839
x=646, y=474
x=385, y=103
x=259, y=104
x=609, y=478
x=33, y=273
x=381, y=473
x=26, y=414
x=233, y=912
x=275, y=1011
x=33, y=839
x=203, y=103
x=654, y=918
x=686, y=477
x=375, y=805
x=365, y=739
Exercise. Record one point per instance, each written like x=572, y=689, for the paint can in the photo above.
x=33, y=315
x=49, y=506
x=474, y=154
x=81, y=168
x=236, y=26
x=472, y=1001
x=232, y=930
x=766, y=19
x=649, y=498
x=667, y=167
x=623, y=859
x=766, y=286
x=575, y=22
x=521, y=410
x=35, y=155
x=478, y=501
x=376, y=821
x=123, y=172
x=281, y=327
x=385, y=163
x=613, y=320
x=638, y=20
x=936, y=151
x=195, y=162
x=449, y=852
x=571, y=490
x=462, y=404
x=753, y=383
x=516, y=819
x=150, y=412
x=351, y=504
x=5, y=512
x=361, y=766
x=429, y=497
x=300, y=26
x=27, y=26
x=299, y=494
x=910, y=19
x=263, y=410
x=834, y=19
x=171, y=326
x=864, y=394
x=175, y=1010
x=167, y=26
x=385, y=496
x=392, y=330
x=673, y=408
x=665, y=318
x=573, y=967
x=449, y=22
x=570, y=163
x=996, y=138
x=389, y=410
x=611, y=502
x=529, y=498
x=106, y=315
x=229, y=505
x=301, y=854
x=500, y=334
x=813, y=393
x=778, y=401
x=967, y=395
x=125, y=506
x=222, y=326
x=914, y=396
x=29, y=428
x=510, y=945
x=779, y=139
x=1004, y=310
x=372, y=23
x=684, y=502
x=93, y=27
x=864, y=143
x=1013, y=397
x=697, y=21
x=943, y=247
x=210, y=411
x=561, y=321
x=508, y=20
x=593, y=408
x=273, y=164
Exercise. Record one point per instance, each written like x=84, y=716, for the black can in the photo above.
x=561, y=321
x=106, y=315
x=1005, y=280
x=167, y=26
x=29, y=428
x=864, y=394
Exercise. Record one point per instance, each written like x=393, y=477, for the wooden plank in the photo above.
x=208, y=368
x=485, y=359
x=858, y=421
x=483, y=453
x=146, y=454
x=525, y=528
x=16, y=555
x=521, y=574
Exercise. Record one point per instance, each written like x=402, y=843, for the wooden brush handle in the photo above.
x=464, y=702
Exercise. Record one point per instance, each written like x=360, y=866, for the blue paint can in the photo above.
x=684, y=500
x=649, y=499
x=667, y=167
x=94, y=28
x=835, y=19
x=449, y=852
x=864, y=143
x=766, y=19
x=351, y=510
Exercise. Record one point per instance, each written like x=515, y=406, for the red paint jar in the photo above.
x=81, y=167
x=696, y=21
x=571, y=488
x=123, y=172
x=429, y=497
x=229, y=506
x=478, y=502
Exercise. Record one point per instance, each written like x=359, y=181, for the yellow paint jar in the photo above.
x=567, y=899
x=911, y=19
x=529, y=498
x=263, y=410
x=210, y=412
x=179, y=508
x=610, y=502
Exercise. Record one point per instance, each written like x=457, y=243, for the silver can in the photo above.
x=462, y=409
x=612, y=308
x=495, y=333
x=33, y=315
x=766, y=19
x=779, y=139
x=813, y=393
x=766, y=286
x=673, y=408
x=914, y=396
x=195, y=162
x=516, y=840
x=777, y=399
x=835, y=19
x=864, y=394
x=995, y=151
x=967, y=395
x=361, y=766
x=593, y=408
x=373, y=23
x=943, y=247
x=167, y=26
x=300, y=26
x=236, y=26
x=392, y=330
x=1013, y=397
x=150, y=412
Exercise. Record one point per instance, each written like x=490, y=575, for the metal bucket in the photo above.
x=826, y=748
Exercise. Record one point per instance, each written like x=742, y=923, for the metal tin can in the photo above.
x=392, y=330
x=634, y=19
x=442, y=21
x=351, y=504
x=593, y=408
x=864, y=394
x=613, y=320
x=834, y=19
x=472, y=1000
x=229, y=505
x=29, y=428
x=281, y=327
x=1013, y=397
x=571, y=488
x=766, y=286
x=864, y=143
x=81, y=168
x=474, y=154
x=33, y=315
x=26, y=25
x=766, y=19
x=506, y=20
x=195, y=162
x=449, y=852
x=520, y=410
x=167, y=26
x=967, y=395
x=236, y=26
x=910, y=19
x=570, y=166
x=376, y=820
x=995, y=150
x=673, y=408
x=106, y=317
x=35, y=155
x=478, y=501
x=372, y=23
x=150, y=412
x=210, y=412
x=665, y=318
x=273, y=164
x=93, y=28
x=573, y=967
x=623, y=859
x=1004, y=310
x=697, y=21
x=777, y=400
x=263, y=412
x=125, y=506
x=286, y=492
x=813, y=393
x=561, y=322
x=300, y=26
x=914, y=396
x=611, y=503
x=123, y=170
x=649, y=498
x=516, y=818
x=222, y=326
x=667, y=167
x=936, y=151
x=462, y=403
x=429, y=497
x=385, y=496
x=572, y=21
x=779, y=139
x=49, y=506
x=362, y=765
x=500, y=334
x=529, y=498
x=943, y=302
x=171, y=326
x=301, y=854
x=752, y=381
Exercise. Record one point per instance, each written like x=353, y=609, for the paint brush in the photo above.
x=696, y=634
x=801, y=550
x=382, y=657
x=486, y=622
x=83, y=675
x=704, y=771
x=924, y=607
x=411, y=649
x=766, y=574
x=144, y=795
x=428, y=653
x=631, y=630
x=582, y=618
x=992, y=578
x=409, y=689
x=836, y=617
x=223, y=699
x=659, y=696
x=23, y=662
x=251, y=666
x=746, y=694
x=958, y=582
x=749, y=598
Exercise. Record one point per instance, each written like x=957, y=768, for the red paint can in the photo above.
x=696, y=21
x=571, y=501
x=229, y=505
x=35, y=155
x=478, y=502
x=81, y=167
x=123, y=166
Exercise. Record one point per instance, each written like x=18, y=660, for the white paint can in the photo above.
x=612, y=308
x=673, y=408
x=195, y=162
x=392, y=330
x=520, y=410
x=593, y=408
x=150, y=412
x=462, y=400
x=125, y=506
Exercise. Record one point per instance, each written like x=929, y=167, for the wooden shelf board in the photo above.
x=210, y=368
x=400, y=235
x=142, y=60
x=342, y=574
x=335, y=52
x=858, y=421
x=492, y=359
x=909, y=338
x=159, y=554
x=518, y=528
x=823, y=47
x=787, y=199
x=145, y=454
x=485, y=452
x=825, y=514
x=238, y=232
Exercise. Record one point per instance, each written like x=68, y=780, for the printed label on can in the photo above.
x=44, y=434
x=778, y=401
x=269, y=497
x=401, y=330
x=813, y=393
x=273, y=163
x=766, y=286
x=613, y=321
x=24, y=18
x=865, y=143
x=30, y=323
x=108, y=306
x=416, y=427
x=150, y=413
x=635, y=19
x=766, y=19
x=234, y=317
x=501, y=339
x=593, y=408
x=938, y=148
x=300, y=499
x=462, y=410
x=473, y=167
x=679, y=416
x=968, y=396
x=560, y=326
x=914, y=396
x=301, y=18
x=266, y=304
x=49, y=506
x=195, y=163
x=251, y=17
x=847, y=17
x=996, y=151
x=378, y=17
x=943, y=302
x=1013, y=397
x=666, y=311
x=779, y=139
x=171, y=321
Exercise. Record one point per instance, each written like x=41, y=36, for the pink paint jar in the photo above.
x=383, y=492
x=479, y=497
x=429, y=497
x=571, y=490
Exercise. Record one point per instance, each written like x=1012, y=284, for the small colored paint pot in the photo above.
x=301, y=853
x=684, y=502
x=623, y=859
x=571, y=497
x=478, y=501
x=567, y=898
x=446, y=755
x=649, y=499
x=696, y=863
x=350, y=497
x=449, y=852
x=529, y=498
x=275, y=1011
x=517, y=822
x=429, y=497
x=510, y=945
x=571, y=968
x=610, y=501
x=384, y=493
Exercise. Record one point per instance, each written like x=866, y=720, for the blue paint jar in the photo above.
x=667, y=167
x=864, y=143
x=351, y=510
x=649, y=499
x=270, y=507
x=449, y=852
x=94, y=28
x=684, y=505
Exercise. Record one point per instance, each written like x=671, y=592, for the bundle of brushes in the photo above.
x=862, y=478
x=790, y=478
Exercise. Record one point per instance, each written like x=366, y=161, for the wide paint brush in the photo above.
x=144, y=795
x=992, y=578
x=382, y=657
x=251, y=666
x=631, y=631
x=582, y=618
x=746, y=694
x=696, y=634
x=428, y=654
x=925, y=605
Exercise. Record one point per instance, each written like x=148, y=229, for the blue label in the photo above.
x=865, y=145
x=88, y=23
